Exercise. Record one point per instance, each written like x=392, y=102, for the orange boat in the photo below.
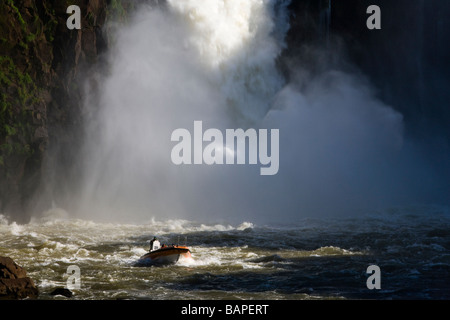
x=165, y=254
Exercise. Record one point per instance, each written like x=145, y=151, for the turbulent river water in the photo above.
x=315, y=259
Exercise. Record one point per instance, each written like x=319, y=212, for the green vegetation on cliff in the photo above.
x=21, y=65
x=16, y=112
x=26, y=54
x=41, y=64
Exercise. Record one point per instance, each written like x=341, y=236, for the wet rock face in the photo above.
x=14, y=283
x=407, y=59
x=41, y=63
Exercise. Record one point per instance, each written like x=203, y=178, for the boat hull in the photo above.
x=166, y=255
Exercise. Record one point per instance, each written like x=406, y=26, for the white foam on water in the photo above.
x=16, y=229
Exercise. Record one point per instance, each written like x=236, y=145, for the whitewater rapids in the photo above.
x=316, y=259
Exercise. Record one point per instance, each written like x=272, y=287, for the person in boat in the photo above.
x=154, y=244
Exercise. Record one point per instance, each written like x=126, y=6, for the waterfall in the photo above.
x=237, y=44
x=213, y=61
x=420, y=53
x=216, y=61
x=324, y=20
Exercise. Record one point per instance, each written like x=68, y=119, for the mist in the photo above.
x=342, y=150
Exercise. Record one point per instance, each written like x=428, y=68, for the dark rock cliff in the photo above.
x=41, y=61
x=407, y=60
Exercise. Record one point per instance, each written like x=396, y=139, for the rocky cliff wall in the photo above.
x=407, y=59
x=41, y=61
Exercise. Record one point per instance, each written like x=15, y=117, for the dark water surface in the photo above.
x=315, y=259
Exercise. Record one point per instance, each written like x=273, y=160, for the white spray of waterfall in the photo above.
x=215, y=61
x=237, y=44
x=212, y=61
